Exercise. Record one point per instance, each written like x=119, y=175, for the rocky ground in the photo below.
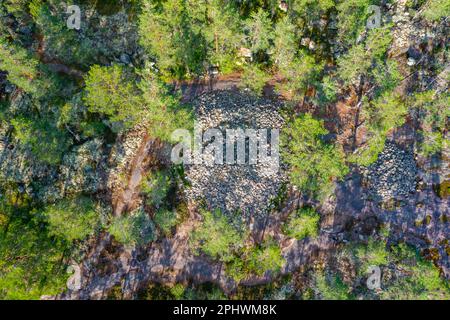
x=393, y=175
x=234, y=187
x=418, y=215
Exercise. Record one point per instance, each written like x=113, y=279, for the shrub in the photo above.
x=156, y=186
x=421, y=280
x=303, y=223
x=135, y=228
x=216, y=236
x=436, y=9
x=372, y=254
x=433, y=112
x=332, y=287
x=110, y=93
x=166, y=220
x=255, y=260
x=314, y=164
x=21, y=67
x=178, y=291
x=46, y=142
x=72, y=219
x=266, y=257
x=254, y=79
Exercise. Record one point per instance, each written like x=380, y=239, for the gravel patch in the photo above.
x=239, y=188
x=393, y=175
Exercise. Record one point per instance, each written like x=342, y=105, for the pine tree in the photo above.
x=352, y=17
x=222, y=33
x=314, y=164
x=162, y=109
x=259, y=32
x=171, y=33
x=383, y=114
x=109, y=92
x=21, y=67
x=72, y=219
x=216, y=236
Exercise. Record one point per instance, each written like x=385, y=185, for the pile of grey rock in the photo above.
x=393, y=175
x=246, y=189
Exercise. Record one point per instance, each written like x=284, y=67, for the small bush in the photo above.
x=304, y=223
x=135, y=228
x=166, y=220
x=254, y=79
x=216, y=236
x=436, y=9
x=372, y=254
x=265, y=258
x=332, y=288
x=155, y=186
x=72, y=219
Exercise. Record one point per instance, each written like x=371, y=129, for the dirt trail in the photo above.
x=193, y=88
x=56, y=65
x=127, y=198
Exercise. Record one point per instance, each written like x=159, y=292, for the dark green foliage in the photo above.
x=216, y=236
x=72, y=219
x=223, y=34
x=75, y=116
x=415, y=277
x=383, y=114
x=259, y=32
x=362, y=59
x=45, y=141
x=436, y=9
x=314, y=164
x=373, y=253
x=184, y=35
x=32, y=263
x=156, y=186
x=21, y=67
x=331, y=287
x=110, y=93
x=61, y=42
x=420, y=280
x=220, y=240
x=433, y=112
x=206, y=291
x=135, y=228
x=310, y=10
x=302, y=223
x=170, y=34
x=161, y=109
x=254, y=79
x=352, y=17
x=266, y=257
x=166, y=220
x=256, y=260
